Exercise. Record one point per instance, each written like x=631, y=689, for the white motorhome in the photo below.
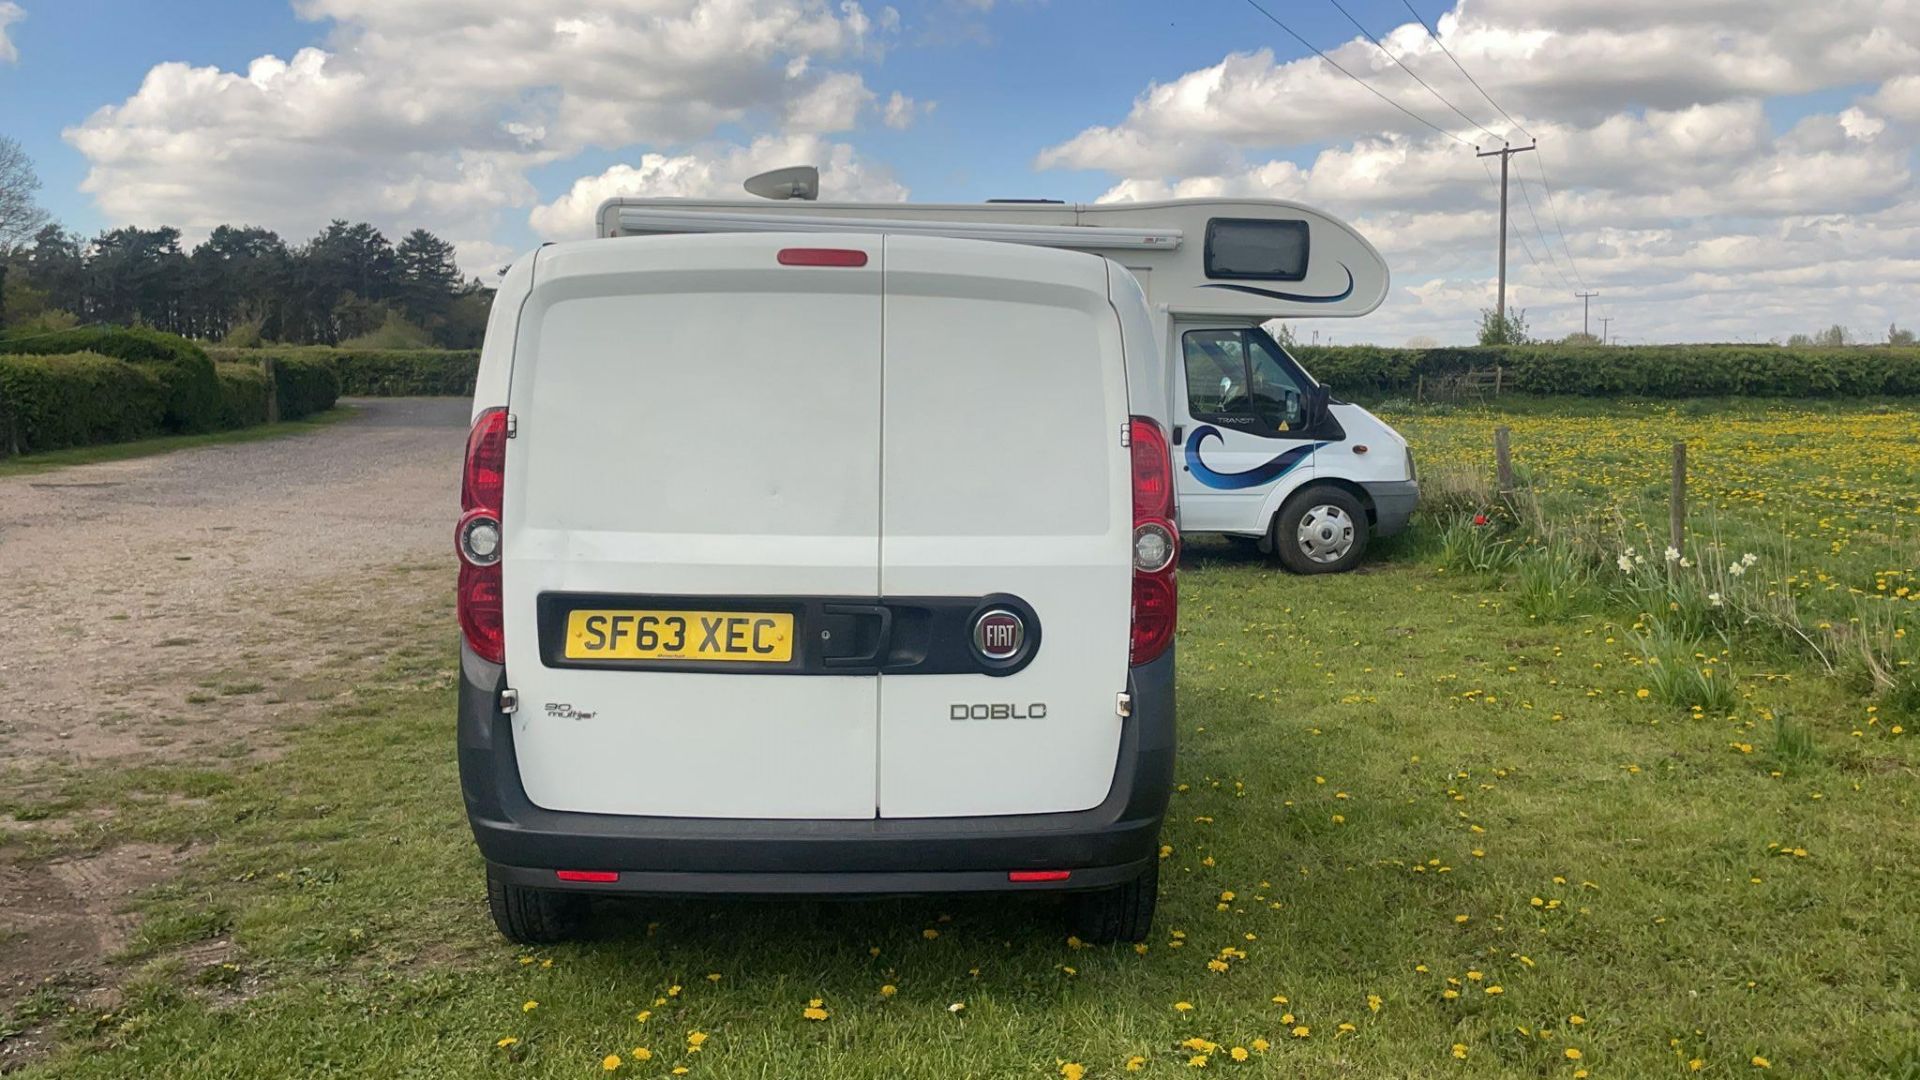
x=1265, y=452
x=815, y=564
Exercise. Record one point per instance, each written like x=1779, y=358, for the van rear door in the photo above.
x=1005, y=479
x=696, y=463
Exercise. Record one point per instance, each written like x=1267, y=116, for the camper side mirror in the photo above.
x=1318, y=400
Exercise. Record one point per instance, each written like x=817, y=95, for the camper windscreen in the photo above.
x=1258, y=249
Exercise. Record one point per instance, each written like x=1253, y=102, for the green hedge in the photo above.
x=193, y=396
x=384, y=372
x=1613, y=370
x=51, y=402
x=243, y=395
x=305, y=385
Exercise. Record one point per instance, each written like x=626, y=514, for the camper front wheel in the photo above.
x=1321, y=529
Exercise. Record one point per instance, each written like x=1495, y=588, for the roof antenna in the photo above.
x=794, y=182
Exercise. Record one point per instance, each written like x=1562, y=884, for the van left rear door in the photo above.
x=695, y=473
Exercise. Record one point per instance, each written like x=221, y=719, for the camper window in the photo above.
x=1256, y=249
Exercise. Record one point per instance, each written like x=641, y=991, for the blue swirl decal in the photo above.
x=1298, y=298
x=1254, y=477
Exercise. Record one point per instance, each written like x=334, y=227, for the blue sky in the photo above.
x=1675, y=166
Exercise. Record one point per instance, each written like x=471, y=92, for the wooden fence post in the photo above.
x=1420, y=389
x=1503, y=459
x=1677, y=523
x=1499, y=376
x=273, y=390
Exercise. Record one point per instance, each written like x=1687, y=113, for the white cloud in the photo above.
x=901, y=111
x=1899, y=98
x=1681, y=201
x=431, y=112
x=711, y=172
x=10, y=13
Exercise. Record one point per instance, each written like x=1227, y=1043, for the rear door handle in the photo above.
x=856, y=635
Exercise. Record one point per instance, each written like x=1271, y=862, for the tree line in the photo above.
x=242, y=285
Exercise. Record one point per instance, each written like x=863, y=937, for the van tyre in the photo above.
x=1123, y=913
x=1320, y=529
x=533, y=916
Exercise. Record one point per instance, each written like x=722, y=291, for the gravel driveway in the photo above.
x=193, y=606
x=170, y=605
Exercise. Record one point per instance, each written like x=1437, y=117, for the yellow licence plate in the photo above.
x=753, y=636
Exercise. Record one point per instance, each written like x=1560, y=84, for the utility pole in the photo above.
x=1504, y=153
x=1584, y=298
x=1603, y=328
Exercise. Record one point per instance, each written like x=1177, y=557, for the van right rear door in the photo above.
x=1005, y=483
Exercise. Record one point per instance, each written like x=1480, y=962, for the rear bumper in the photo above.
x=1106, y=845
x=1393, y=504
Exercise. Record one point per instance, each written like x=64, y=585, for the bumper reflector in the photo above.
x=600, y=876
x=1038, y=875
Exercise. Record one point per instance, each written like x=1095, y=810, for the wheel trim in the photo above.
x=1325, y=533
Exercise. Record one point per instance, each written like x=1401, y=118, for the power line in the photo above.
x=1363, y=83
x=1555, y=211
x=1539, y=164
x=1541, y=233
x=1456, y=63
x=1416, y=75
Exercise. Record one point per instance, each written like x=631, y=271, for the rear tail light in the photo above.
x=478, y=537
x=1156, y=542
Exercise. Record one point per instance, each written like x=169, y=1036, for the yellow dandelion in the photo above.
x=1576, y=1019
x=529, y=1006
x=674, y=990
x=889, y=990
x=1460, y=1051
x=1136, y=1063
x=610, y=1062
x=929, y=933
x=1073, y=1070
x=643, y=1015
x=1373, y=1002
x=1496, y=989
x=506, y=1042
x=1573, y=1053
x=1197, y=1061
x=1183, y=1006
x=1301, y=1031
x=696, y=1040
x=641, y=1053
x=1761, y=1063
x=1261, y=1046
x=1461, y=918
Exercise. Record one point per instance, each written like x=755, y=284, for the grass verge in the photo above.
x=166, y=444
x=1417, y=833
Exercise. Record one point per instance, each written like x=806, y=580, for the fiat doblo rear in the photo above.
x=791, y=568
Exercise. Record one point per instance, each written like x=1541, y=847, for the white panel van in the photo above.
x=817, y=565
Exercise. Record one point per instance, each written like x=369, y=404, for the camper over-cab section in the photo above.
x=1249, y=260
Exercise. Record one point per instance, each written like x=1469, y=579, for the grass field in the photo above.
x=1419, y=831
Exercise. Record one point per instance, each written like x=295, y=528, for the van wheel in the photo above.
x=1121, y=913
x=1320, y=530
x=533, y=916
